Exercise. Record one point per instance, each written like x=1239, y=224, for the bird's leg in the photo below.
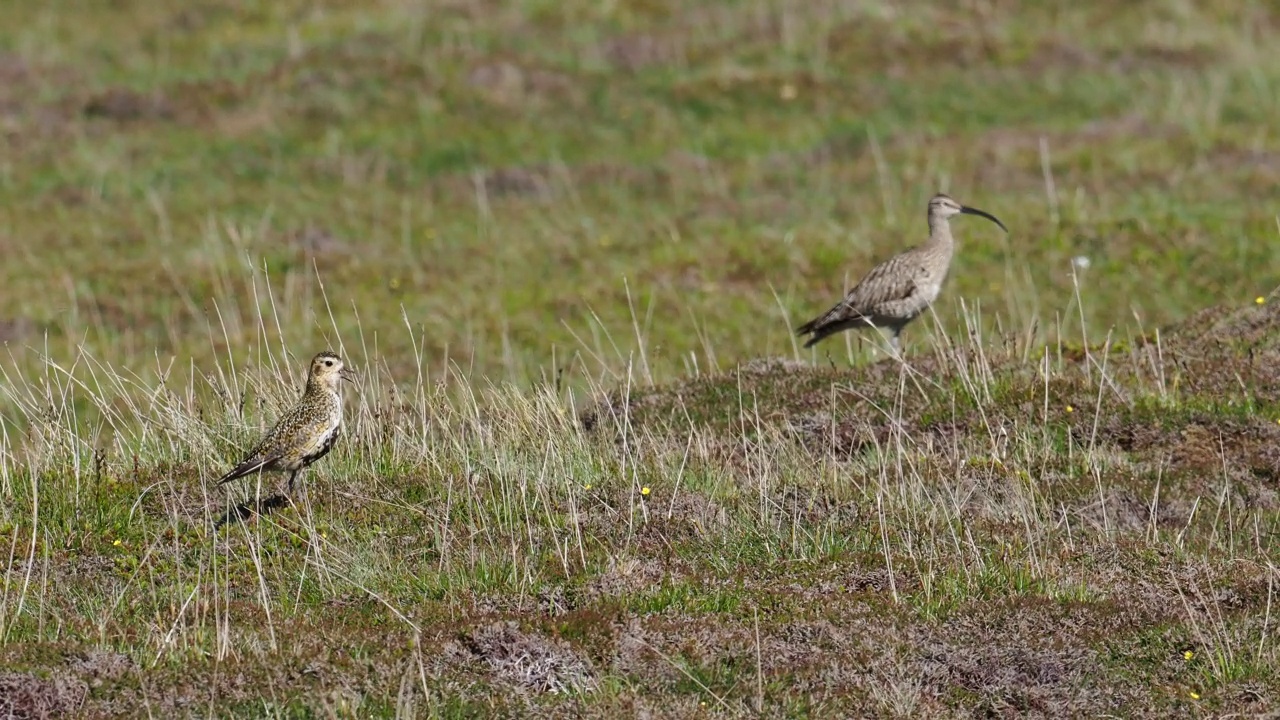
x=292, y=477
x=896, y=344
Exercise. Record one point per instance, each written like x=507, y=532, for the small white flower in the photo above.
x=1080, y=261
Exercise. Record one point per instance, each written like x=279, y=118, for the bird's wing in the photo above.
x=267, y=451
x=889, y=281
x=315, y=435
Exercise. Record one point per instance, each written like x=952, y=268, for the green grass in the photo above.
x=588, y=471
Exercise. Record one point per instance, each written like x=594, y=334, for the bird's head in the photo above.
x=328, y=370
x=942, y=207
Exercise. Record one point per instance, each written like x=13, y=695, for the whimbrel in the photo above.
x=899, y=289
x=307, y=431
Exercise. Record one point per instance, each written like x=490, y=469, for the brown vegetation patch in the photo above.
x=71, y=569
x=817, y=507
x=1058, y=53
x=529, y=662
x=510, y=83
x=874, y=405
x=1014, y=659
x=638, y=179
x=549, y=601
x=545, y=183
x=657, y=651
x=999, y=141
x=635, y=656
x=1161, y=57
x=635, y=52
x=626, y=576
x=125, y=105
x=24, y=696
x=16, y=329
x=1224, y=353
x=319, y=244
x=1215, y=446
x=115, y=313
x=24, y=112
x=99, y=666
x=842, y=440
x=1222, y=361
x=897, y=49
x=16, y=76
x=1262, y=165
x=518, y=181
x=1123, y=510
x=687, y=516
x=814, y=656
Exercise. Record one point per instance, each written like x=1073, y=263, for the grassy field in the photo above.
x=588, y=471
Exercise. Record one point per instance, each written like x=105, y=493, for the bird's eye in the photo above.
x=328, y=363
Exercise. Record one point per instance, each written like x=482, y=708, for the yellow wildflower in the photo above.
x=644, y=490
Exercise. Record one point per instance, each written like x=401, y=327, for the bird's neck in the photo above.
x=940, y=232
x=320, y=388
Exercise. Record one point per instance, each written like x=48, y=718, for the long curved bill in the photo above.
x=983, y=213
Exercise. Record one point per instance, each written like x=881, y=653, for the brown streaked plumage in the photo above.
x=307, y=432
x=899, y=289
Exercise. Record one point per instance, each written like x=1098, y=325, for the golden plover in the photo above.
x=899, y=289
x=307, y=431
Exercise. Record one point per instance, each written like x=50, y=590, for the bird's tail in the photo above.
x=808, y=327
x=820, y=327
x=829, y=324
x=819, y=334
x=247, y=467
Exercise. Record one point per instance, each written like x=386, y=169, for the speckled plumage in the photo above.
x=899, y=289
x=307, y=432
